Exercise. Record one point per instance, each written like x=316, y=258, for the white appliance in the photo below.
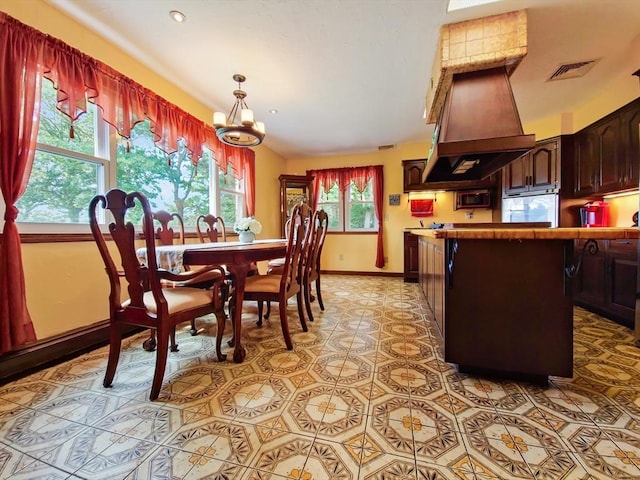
x=533, y=208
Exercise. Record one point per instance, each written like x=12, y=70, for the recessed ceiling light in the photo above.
x=178, y=16
x=273, y=111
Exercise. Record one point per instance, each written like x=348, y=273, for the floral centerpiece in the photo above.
x=247, y=228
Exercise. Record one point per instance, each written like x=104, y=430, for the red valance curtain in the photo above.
x=360, y=176
x=26, y=55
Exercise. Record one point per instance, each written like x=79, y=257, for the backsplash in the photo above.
x=621, y=209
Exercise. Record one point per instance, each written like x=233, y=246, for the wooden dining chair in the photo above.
x=311, y=265
x=169, y=230
x=275, y=266
x=279, y=288
x=150, y=304
x=210, y=228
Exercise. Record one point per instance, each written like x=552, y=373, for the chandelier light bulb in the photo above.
x=246, y=117
x=219, y=119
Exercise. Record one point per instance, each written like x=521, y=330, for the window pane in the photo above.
x=361, y=210
x=55, y=127
x=231, y=208
x=171, y=184
x=227, y=180
x=60, y=189
x=334, y=215
x=362, y=216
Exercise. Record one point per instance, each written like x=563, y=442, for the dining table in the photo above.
x=236, y=256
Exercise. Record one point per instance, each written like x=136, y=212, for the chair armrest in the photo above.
x=189, y=275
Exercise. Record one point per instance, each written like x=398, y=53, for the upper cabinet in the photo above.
x=607, y=154
x=412, y=174
x=630, y=132
x=538, y=170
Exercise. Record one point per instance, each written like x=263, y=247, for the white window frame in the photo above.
x=344, y=210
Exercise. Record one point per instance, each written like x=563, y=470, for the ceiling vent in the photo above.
x=386, y=147
x=572, y=70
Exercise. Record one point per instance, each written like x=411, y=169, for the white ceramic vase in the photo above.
x=246, y=237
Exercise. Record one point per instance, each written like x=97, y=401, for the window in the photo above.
x=68, y=172
x=350, y=211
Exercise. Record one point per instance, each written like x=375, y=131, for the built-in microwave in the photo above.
x=473, y=199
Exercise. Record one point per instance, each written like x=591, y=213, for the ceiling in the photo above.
x=348, y=76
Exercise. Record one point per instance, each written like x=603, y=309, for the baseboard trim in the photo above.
x=32, y=357
x=370, y=274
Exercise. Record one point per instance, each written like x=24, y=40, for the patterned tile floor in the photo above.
x=365, y=394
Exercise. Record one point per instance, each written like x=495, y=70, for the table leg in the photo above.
x=239, y=274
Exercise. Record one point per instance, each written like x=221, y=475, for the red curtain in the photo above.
x=378, y=199
x=360, y=176
x=26, y=55
x=250, y=185
x=20, y=84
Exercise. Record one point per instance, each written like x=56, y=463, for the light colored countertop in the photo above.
x=605, y=233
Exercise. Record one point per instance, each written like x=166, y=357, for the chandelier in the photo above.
x=247, y=133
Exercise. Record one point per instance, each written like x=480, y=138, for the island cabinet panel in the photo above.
x=504, y=307
x=508, y=307
x=431, y=261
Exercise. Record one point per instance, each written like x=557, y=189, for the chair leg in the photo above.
x=194, y=330
x=115, y=340
x=285, y=324
x=172, y=337
x=299, y=301
x=308, y=300
x=260, y=305
x=149, y=344
x=266, y=315
x=319, y=294
x=161, y=362
x=220, y=321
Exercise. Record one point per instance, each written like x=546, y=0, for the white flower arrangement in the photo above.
x=247, y=224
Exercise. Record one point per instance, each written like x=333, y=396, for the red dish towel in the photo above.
x=422, y=208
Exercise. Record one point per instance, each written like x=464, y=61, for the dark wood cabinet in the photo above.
x=607, y=153
x=410, y=257
x=630, y=135
x=608, y=159
x=536, y=171
x=606, y=283
x=412, y=174
x=488, y=326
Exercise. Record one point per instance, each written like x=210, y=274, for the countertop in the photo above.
x=574, y=233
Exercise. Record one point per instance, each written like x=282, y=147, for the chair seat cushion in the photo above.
x=263, y=283
x=178, y=299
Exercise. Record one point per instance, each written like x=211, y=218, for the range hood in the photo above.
x=479, y=131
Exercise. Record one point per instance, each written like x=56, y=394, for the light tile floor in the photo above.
x=365, y=394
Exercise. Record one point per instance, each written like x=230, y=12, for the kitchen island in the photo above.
x=502, y=297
